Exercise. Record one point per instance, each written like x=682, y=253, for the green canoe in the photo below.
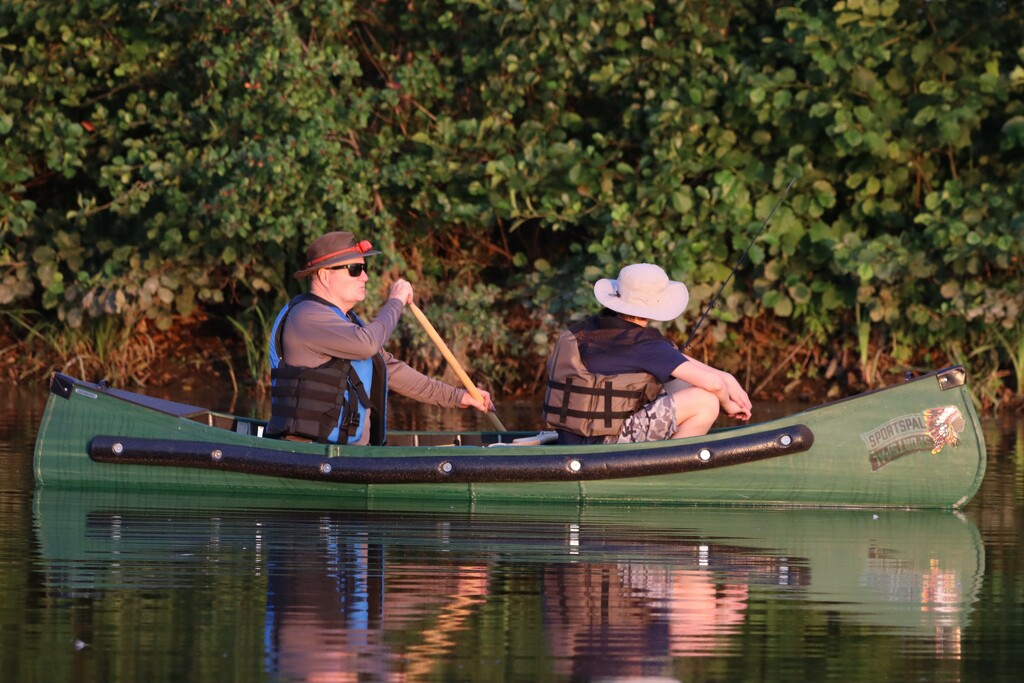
x=917, y=444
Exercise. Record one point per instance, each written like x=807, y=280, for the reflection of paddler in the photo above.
x=319, y=603
x=701, y=611
x=332, y=619
x=595, y=611
x=591, y=617
x=699, y=605
x=457, y=591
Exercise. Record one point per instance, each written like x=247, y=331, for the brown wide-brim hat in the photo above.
x=334, y=249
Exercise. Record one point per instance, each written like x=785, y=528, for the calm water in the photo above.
x=108, y=587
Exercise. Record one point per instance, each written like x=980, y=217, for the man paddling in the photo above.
x=329, y=373
x=613, y=379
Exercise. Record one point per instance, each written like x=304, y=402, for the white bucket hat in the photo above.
x=643, y=290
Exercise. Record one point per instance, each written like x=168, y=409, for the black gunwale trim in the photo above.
x=453, y=467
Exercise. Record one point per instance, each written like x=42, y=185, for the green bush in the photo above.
x=163, y=158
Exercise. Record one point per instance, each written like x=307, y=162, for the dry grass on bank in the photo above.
x=199, y=353
x=139, y=357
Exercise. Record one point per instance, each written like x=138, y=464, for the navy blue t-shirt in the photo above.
x=654, y=355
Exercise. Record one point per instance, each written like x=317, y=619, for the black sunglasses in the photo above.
x=354, y=269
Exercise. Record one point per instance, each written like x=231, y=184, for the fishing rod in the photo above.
x=714, y=300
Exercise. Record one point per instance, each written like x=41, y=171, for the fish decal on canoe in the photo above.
x=944, y=426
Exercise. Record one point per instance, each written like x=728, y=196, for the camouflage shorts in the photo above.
x=654, y=422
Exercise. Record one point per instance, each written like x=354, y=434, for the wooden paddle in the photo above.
x=450, y=357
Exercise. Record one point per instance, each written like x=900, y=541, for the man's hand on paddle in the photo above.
x=469, y=402
x=402, y=291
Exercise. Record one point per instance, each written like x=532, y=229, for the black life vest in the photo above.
x=328, y=403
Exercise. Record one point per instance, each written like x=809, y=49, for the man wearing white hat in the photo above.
x=613, y=379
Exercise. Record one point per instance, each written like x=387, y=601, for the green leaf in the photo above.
x=801, y=293
x=783, y=307
x=682, y=202
x=922, y=52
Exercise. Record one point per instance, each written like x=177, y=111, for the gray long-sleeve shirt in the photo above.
x=314, y=334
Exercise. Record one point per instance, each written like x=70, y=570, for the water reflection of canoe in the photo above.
x=899, y=569
x=916, y=444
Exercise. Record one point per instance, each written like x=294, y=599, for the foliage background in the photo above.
x=164, y=164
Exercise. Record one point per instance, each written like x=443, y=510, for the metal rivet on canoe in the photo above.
x=217, y=454
x=786, y=439
x=704, y=454
x=445, y=467
x=118, y=448
x=575, y=465
x=325, y=468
